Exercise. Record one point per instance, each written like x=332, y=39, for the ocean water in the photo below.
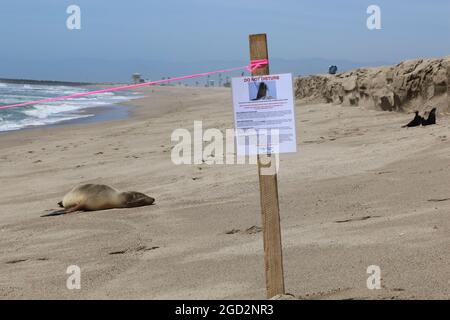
x=52, y=112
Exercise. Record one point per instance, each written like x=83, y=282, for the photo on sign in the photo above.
x=262, y=90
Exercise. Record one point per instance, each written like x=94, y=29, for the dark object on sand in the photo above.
x=431, y=118
x=332, y=70
x=417, y=121
x=262, y=91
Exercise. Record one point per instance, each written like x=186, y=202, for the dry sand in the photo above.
x=353, y=164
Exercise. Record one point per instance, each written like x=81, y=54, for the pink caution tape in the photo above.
x=254, y=64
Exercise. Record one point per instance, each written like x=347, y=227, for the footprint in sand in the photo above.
x=131, y=250
x=251, y=230
x=24, y=260
x=356, y=219
x=439, y=200
x=16, y=261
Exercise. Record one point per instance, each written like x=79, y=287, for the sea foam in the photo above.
x=53, y=112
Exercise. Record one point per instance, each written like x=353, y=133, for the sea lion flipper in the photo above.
x=64, y=211
x=54, y=213
x=76, y=208
x=60, y=204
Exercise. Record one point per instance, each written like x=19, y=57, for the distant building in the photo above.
x=136, y=78
x=227, y=83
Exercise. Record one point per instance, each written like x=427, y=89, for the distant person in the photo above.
x=332, y=70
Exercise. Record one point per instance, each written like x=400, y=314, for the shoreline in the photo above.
x=112, y=112
x=99, y=114
x=85, y=115
x=123, y=112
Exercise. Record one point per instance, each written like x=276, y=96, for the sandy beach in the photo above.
x=360, y=191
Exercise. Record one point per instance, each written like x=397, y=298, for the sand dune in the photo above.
x=408, y=86
x=356, y=194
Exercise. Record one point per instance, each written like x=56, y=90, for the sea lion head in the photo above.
x=136, y=199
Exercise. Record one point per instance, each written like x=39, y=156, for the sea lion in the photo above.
x=417, y=121
x=431, y=118
x=93, y=197
x=262, y=91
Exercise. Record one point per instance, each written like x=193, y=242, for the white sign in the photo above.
x=264, y=114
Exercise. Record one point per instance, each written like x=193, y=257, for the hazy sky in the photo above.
x=199, y=30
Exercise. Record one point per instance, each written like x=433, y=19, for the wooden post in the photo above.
x=273, y=255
